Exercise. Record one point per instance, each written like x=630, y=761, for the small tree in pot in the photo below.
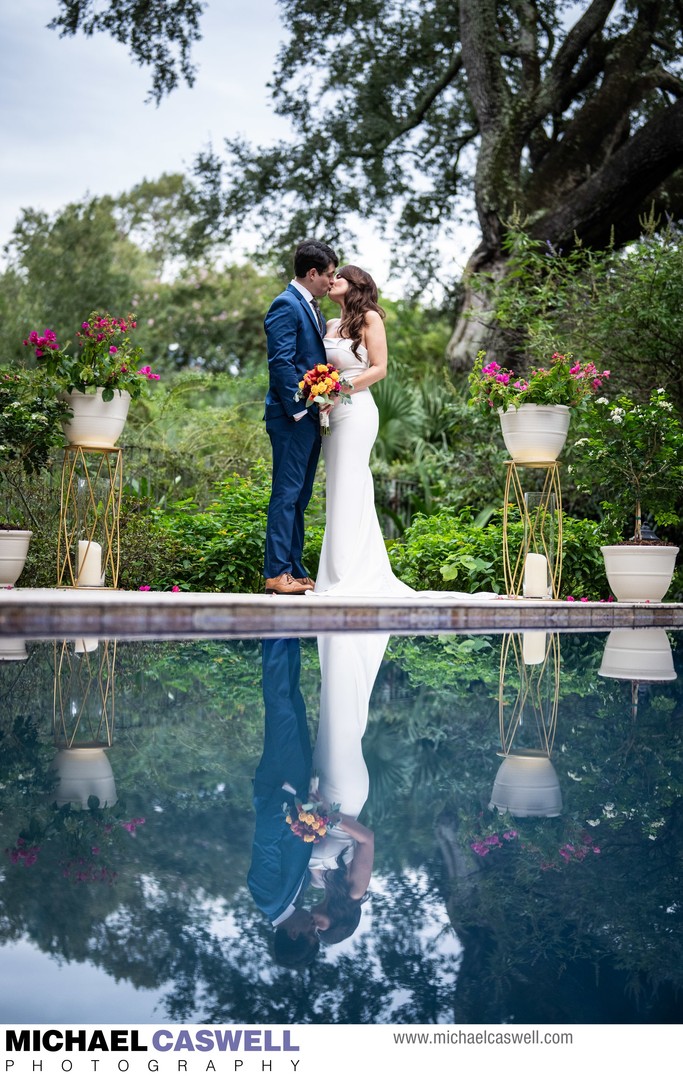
x=632, y=456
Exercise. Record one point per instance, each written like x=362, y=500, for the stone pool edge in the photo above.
x=50, y=613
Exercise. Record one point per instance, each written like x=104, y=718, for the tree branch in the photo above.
x=618, y=190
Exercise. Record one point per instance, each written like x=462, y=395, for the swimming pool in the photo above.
x=566, y=911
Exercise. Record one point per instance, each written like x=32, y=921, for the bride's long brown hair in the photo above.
x=360, y=297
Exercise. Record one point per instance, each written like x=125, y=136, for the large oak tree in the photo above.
x=568, y=116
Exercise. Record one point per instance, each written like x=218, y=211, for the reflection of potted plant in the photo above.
x=642, y=654
x=81, y=842
x=99, y=381
x=549, y=846
x=534, y=410
x=633, y=454
x=30, y=427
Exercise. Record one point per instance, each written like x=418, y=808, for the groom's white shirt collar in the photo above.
x=304, y=291
x=289, y=910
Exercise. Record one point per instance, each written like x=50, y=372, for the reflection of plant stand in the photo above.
x=84, y=693
x=90, y=507
x=541, y=515
x=526, y=784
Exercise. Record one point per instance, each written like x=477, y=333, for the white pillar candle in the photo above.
x=86, y=645
x=89, y=564
x=533, y=647
x=535, y=576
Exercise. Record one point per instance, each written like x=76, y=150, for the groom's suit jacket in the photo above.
x=294, y=346
x=279, y=863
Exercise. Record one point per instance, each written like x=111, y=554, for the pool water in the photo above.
x=562, y=904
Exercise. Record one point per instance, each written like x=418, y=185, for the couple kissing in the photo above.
x=353, y=559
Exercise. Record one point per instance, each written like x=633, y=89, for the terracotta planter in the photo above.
x=527, y=786
x=13, y=551
x=638, y=654
x=639, y=573
x=95, y=423
x=535, y=433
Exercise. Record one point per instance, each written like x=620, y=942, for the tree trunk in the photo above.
x=474, y=331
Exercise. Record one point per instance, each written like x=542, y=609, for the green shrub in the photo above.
x=449, y=551
x=221, y=549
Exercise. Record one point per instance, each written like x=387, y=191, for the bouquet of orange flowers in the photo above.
x=322, y=385
x=310, y=821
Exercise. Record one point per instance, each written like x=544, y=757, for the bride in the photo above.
x=353, y=560
x=341, y=864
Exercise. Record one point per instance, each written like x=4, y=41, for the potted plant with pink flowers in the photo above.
x=534, y=409
x=98, y=380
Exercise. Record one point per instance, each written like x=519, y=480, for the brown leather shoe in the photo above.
x=285, y=584
x=306, y=580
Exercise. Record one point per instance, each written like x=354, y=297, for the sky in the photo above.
x=75, y=121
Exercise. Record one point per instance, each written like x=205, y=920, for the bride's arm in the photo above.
x=359, y=870
x=376, y=344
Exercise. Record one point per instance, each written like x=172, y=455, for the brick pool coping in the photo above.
x=52, y=613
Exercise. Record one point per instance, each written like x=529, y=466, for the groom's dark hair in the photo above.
x=312, y=254
x=296, y=953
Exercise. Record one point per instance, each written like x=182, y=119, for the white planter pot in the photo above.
x=638, y=654
x=13, y=551
x=84, y=772
x=527, y=786
x=639, y=573
x=535, y=433
x=95, y=424
x=12, y=649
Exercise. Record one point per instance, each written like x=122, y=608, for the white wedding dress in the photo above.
x=349, y=664
x=353, y=560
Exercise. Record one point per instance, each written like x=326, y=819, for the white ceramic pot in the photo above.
x=84, y=772
x=13, y=551
x=12, y=649
x=535, y=433
x=639, y=573
x=95, y=423
x=638, y=654
x=527, y=786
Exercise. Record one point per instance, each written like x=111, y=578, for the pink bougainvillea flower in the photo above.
x=175, y=589
x=144, y=588
x=570, y=599
x=479, y=849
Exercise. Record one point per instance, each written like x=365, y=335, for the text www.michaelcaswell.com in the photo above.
x=483, y=1038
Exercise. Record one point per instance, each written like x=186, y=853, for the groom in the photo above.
x=278, y=874
x=295, y=329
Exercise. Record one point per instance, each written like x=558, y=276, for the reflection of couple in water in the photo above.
x=340, y=864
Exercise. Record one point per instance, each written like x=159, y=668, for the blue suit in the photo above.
x=279, y=862
x=294, y=346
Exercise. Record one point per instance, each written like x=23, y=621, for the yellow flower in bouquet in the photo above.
x=323, y=385
x=311, y=820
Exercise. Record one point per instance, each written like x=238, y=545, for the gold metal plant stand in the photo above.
x=537, y=685
x=83, y=705
x=90, y=508
x=542, y=526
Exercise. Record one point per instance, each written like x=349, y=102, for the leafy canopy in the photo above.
x=405, y=109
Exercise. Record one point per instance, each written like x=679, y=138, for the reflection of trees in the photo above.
x=541, y=946
x=535, y=942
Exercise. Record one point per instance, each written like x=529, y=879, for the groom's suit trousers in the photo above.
x=279, y=858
